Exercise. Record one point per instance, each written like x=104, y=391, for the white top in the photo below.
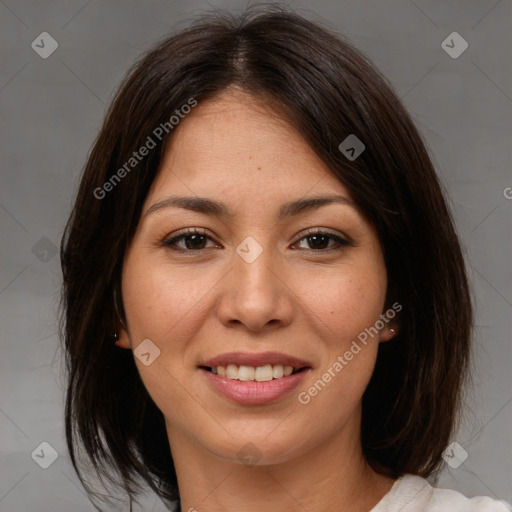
x=412, y=493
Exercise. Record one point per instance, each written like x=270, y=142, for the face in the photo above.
x=253, y=280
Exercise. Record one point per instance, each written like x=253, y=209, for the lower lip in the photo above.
x=254, y=392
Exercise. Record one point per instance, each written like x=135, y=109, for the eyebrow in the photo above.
x=217, y=209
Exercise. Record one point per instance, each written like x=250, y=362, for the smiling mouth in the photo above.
x=245, y=373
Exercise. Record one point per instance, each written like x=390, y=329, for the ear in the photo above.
x=123, y=340
x=389, y=331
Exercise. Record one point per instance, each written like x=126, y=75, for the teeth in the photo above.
x=248, y=373
x=245, y=373
x=263, y=373
x=277, y=371
x=232, y=371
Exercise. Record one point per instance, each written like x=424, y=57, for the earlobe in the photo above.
x=122, y=340
x=388, y=333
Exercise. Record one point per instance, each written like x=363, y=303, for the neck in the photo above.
x=331, y=476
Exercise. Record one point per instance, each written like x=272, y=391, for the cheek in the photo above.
x=166, y=305
x=346, y=306
x=345, y=301
x=162, y=301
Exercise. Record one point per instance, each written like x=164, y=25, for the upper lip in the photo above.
x=259, y=359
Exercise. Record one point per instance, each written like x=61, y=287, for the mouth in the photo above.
x=255, y=379
x=246, y=373
x=263, y=367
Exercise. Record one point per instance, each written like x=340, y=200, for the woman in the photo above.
x=265, y=300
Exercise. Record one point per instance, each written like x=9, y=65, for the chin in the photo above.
x=261, y=446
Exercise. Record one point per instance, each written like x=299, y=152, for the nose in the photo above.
x=256, y=295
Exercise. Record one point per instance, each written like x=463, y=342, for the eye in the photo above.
x=194, y=240
x=319, y=240
x=189, y=240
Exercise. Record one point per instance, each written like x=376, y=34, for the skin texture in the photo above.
x=295, y=299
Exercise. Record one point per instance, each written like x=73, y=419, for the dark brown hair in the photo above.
x=327, y=90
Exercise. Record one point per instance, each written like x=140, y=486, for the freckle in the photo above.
x=259, y=168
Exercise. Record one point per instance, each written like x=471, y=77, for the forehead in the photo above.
x=236, y=140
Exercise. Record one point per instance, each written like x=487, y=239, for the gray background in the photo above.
x=51, y=110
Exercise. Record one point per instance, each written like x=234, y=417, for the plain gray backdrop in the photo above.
x=52, y=108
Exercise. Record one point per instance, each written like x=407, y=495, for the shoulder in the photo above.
x=442, y=498
x=412, y=493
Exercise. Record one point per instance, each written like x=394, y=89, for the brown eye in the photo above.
x=194, y=242
x=320, y=240
x=189, y=241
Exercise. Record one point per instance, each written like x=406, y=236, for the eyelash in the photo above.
x=169, y=242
